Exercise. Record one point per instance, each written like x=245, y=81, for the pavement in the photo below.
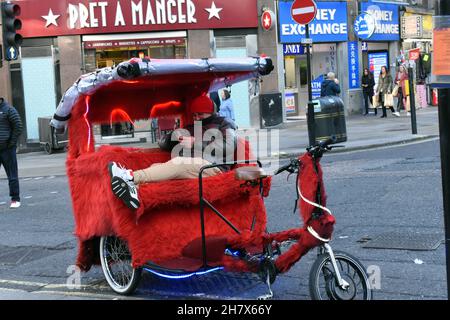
x=363, y=132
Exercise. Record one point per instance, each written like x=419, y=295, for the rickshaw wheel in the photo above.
x=323, y=284
x=116, y=260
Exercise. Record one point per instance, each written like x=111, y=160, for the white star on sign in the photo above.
x=267, y=21
x=51, y=18
x=213, y=11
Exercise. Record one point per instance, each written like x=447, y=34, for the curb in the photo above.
x=359, y=148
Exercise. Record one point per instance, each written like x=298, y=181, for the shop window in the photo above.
x=290, y=72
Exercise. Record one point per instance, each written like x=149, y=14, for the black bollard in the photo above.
x=412, y=101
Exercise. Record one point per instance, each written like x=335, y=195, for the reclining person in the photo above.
x=189, y=153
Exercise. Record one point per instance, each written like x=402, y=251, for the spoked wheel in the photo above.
x=323, y=283
x=116, y=265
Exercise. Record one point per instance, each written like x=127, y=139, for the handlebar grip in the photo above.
x=326, y=143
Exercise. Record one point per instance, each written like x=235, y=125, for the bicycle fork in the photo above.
x=342, y=283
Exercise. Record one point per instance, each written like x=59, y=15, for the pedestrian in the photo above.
x=384, y=92
x=330, y=87
x=400, y=80
x=10, y=130
x=187, y=166
x=226, y=107
x=368, y=83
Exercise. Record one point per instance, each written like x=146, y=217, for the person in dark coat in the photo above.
x=368, y=83
x=330, y=87
x=10, y=130
x=187, y=166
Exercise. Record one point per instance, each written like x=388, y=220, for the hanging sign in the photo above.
x=387, y=25
x=329, y=24
x=364, y=26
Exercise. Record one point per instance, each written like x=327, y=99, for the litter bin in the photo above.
x=48, y=138
x=329, y=119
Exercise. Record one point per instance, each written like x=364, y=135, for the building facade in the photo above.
x=64, y=39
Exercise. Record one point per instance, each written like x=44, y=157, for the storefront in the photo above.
x=381, y=43
x=328, y=31
x=416, y=33
x=65, y=39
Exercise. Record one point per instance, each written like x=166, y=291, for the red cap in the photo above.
x=202, y=104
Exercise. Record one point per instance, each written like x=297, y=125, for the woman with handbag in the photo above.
x=368, y=83
x=400, y=78
x=384, y=92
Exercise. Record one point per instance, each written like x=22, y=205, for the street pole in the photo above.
x=311, y=120
x=443, y=9
x=412, y=100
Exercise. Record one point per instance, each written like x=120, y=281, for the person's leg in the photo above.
x=383, y=107
x=9, y=160
x=175, y=169
x=399, y=99
x=366, y=102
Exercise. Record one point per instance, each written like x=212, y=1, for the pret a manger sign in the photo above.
x=65, y=17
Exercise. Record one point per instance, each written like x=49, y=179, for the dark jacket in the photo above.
x=330, y=88
x=10, y=125
x=368, y=83
x=385, y=85
x=227, y=128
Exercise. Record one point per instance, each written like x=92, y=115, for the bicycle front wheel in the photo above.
x=323, y=283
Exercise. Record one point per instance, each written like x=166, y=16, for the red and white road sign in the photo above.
x=414, y=54
x=303, y=11
x=267, y=20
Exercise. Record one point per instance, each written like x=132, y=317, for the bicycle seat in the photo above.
x=249, y=173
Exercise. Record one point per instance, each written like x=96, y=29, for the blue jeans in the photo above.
x=8, y=159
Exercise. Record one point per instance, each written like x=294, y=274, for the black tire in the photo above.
x=116, y=260
x=323, y=283
x=48, y=148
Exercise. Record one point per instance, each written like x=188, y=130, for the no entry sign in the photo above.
x=303, y=11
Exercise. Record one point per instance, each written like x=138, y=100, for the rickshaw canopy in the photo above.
x=146, y=88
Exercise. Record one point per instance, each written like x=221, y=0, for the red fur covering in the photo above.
x=324, y=225
x=169, y=220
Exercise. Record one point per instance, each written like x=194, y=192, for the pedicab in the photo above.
x=191, y=227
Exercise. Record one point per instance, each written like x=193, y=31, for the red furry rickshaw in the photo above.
x=196, y=226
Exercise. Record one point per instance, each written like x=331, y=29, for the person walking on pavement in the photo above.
x=10, y=130
x=400, y=78
x=384, y=89
x=330, y=87
x=227, y=108
x=368, y=83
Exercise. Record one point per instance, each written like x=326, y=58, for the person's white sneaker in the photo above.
x=123, y=186
x=408, y=114
x=397, y=114
x=14, y=205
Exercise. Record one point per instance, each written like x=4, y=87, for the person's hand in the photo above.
x=336, y=81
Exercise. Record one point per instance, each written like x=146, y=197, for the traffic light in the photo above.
x=10, y=24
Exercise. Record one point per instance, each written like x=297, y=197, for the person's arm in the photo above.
x=337, y=88
x=233, y=117
x=16, y=126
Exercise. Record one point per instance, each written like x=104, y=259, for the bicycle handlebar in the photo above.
x=316, y=151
